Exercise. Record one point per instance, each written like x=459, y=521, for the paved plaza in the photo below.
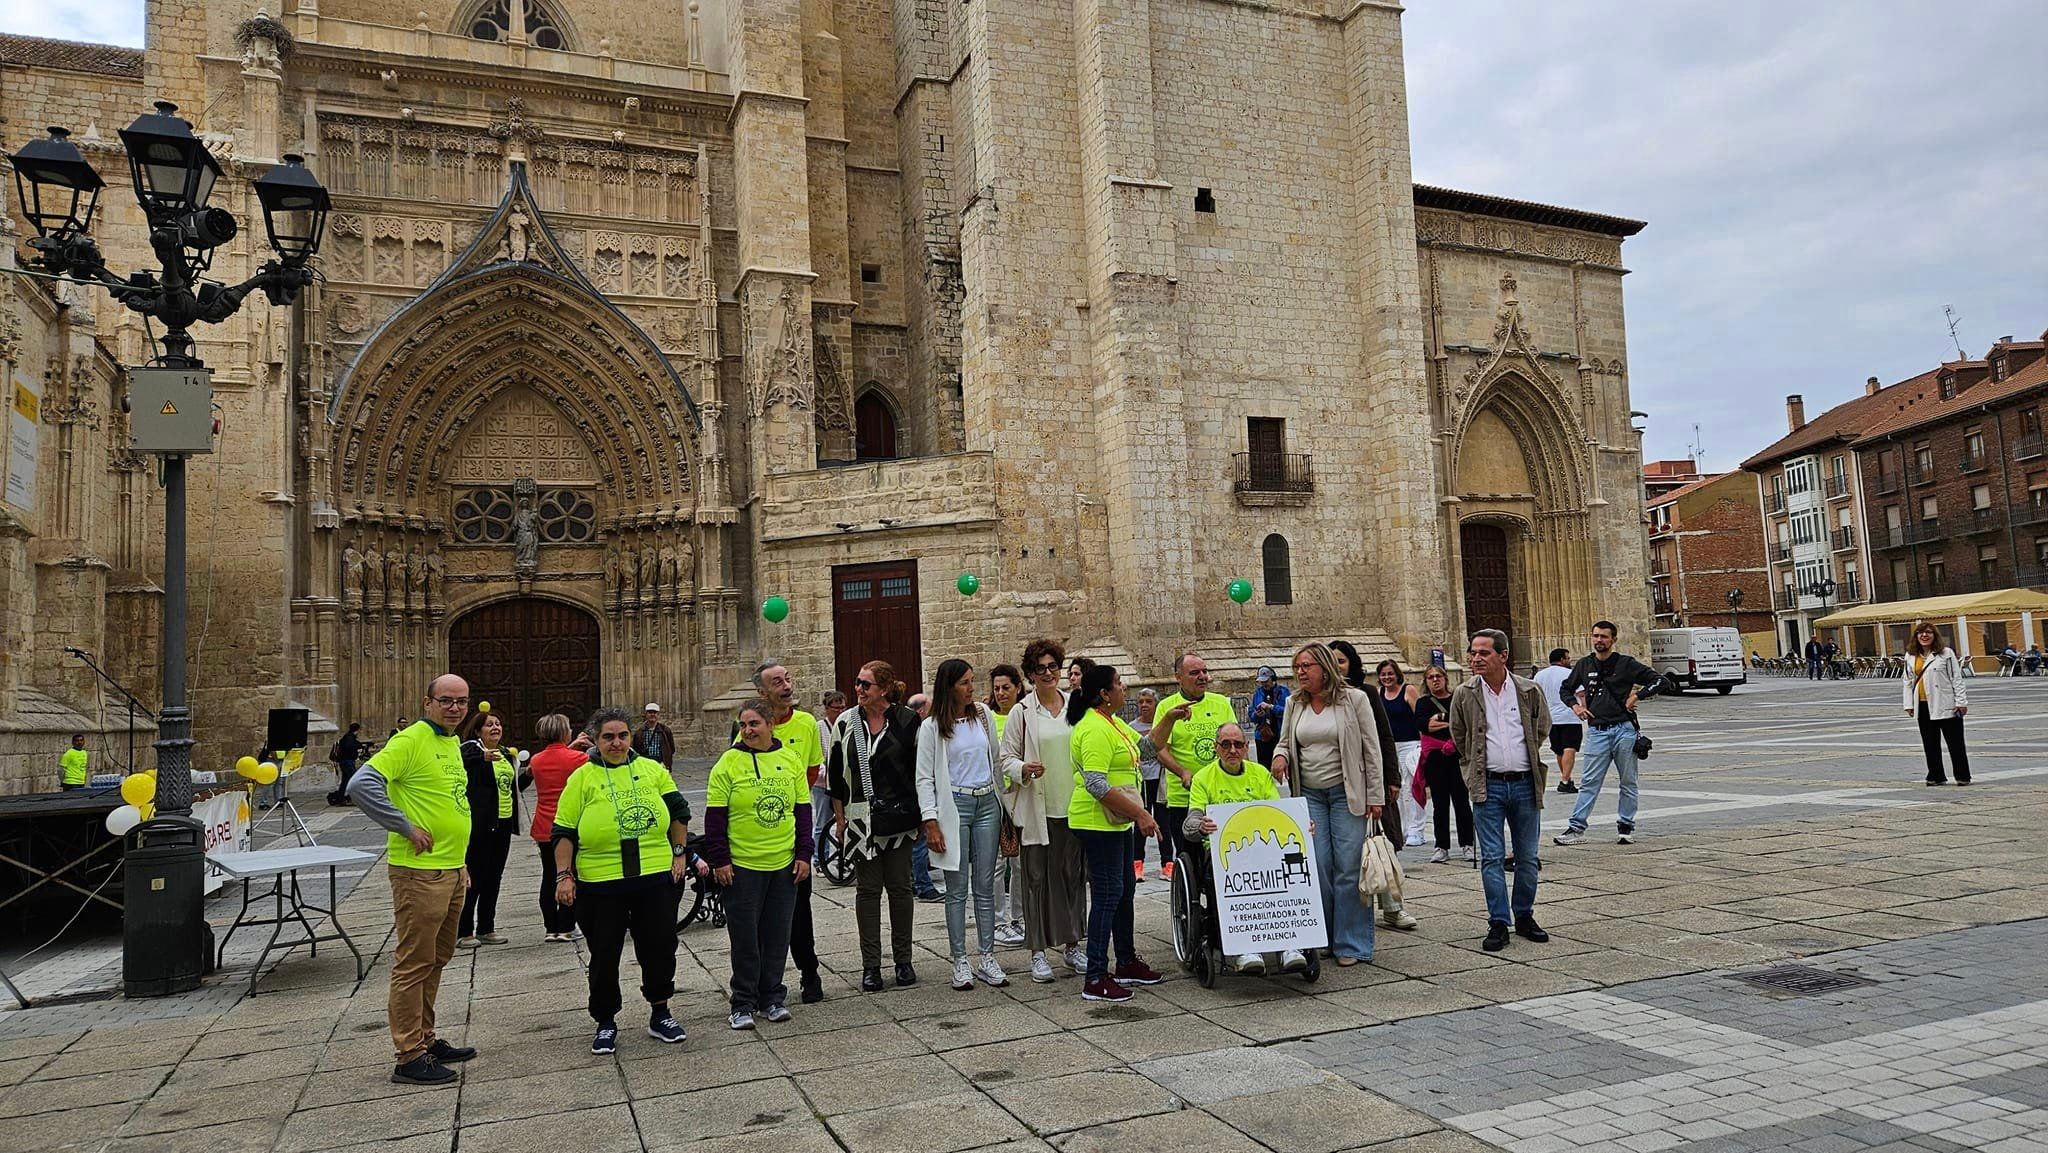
x=1785, y=824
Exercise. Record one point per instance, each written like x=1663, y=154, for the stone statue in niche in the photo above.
x=416, y=578
x=351, y=577
x=525, y=533
x=437, y=571
x=373, y=576
x=394, y=579
x=671, y=568
x=614, y=575
x=517, y=244
x=650, y=573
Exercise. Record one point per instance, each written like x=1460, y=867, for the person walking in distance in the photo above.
x=1269, y=701
x=1102, y=810
x=1813, y=658
x=75, y=765
x=1934, y=693
x=1498, y=722
x=1038, y=784
x=1399, y=699
x=493, y=819
x=347, y=754
x=797, y=730
x=871, y=772
x=550, y=770
x=957, y=787
x=620, y=828
x=1184, y=733
x=1566, y=733
x=416, y=789
x=757, y=839
x=653, y=739
x=1602, y=690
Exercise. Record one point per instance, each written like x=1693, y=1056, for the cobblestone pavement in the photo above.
x=1626, y=1031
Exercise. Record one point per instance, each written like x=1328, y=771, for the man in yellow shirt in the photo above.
x=76, y=763
x=798, y=732
x=1234, y=780
x=1185, y=735
x=415, y=787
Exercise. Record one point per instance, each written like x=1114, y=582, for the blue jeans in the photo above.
x=921, y=866
x=1512, y=802
x=1110, y=886
x=981, y=826
x=1616, y=746
x=1340, y=846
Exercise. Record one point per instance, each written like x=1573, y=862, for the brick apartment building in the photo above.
x=1706, y=541
x=1955, y=487
x=1661, y=477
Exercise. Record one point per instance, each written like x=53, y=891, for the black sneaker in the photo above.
x=424, y=1070
x=1567, y=786
x=871, y=981
x=607, y=1039
x=448, y=1054
x=931, y=896
x=905, y=975
x=1526, y=926
x=663, y=1027
x=1496, y=937
x=813, y=988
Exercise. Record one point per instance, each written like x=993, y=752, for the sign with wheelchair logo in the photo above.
x=1268, y=894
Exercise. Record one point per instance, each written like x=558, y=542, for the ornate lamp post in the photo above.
x=170, y=399
x=1735, y=609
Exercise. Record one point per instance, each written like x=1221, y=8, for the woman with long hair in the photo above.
x=871, y=773
x=1353, y=670
x=1330, y=753
x=1934, y=693
x=957, y=783
x=1440, y=771
x=1037, y=758
x=1399, y=699
x=619, y=830
x=549, y=770
x=493, y=780
x=1102, y=811
x=757, y=839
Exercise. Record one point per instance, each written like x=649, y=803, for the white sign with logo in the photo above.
x=24, y=416
x=1268, y=894
x=225, y=817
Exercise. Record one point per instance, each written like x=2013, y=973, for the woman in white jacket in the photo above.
x=1934, y=693
x=958, y=782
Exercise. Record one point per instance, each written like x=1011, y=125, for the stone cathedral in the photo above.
x=634, y=315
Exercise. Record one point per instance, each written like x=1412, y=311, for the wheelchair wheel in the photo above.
x=1185, y=910
x=1211, y=967
x=836, y=864
x=692, y=905
x=1315, y=966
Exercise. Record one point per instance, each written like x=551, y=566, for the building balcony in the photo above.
x=1915, y=475
x=1781, y=554
x=1887, y=482
x=1774, y=503
x=1845, y=538
x=1975, y=461
x=1848, y=589
x=1836, y=487
x=1985, y=519
x=2027, y=447
x=1269, y=478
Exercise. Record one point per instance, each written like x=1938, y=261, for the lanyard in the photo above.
x=1129, y=746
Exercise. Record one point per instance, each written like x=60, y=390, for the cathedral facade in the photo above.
x=634, y=316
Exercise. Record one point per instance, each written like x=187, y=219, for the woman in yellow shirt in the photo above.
x=1105, y=806
x=757, y=839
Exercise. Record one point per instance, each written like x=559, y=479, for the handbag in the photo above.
x=1010, y=838
x=1379, y=870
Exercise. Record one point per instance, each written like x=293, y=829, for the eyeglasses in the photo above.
x=452, y=702
x=1230, y=744
x=863, y=683
x=1044, y=669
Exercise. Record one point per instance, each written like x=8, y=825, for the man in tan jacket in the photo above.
x=1499, y=722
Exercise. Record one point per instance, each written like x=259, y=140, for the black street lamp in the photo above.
x=1735, y=609
x=174, y=174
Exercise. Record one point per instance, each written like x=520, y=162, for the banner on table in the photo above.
x=1268, y=894
x=225, y=817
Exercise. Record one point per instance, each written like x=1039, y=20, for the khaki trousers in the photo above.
x=426, y=905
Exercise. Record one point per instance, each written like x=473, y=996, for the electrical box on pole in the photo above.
x=170, y=411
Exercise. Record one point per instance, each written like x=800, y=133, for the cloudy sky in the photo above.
x=1820, y=177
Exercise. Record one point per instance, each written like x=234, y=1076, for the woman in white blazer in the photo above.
x=1934, y=692
x=958, y=785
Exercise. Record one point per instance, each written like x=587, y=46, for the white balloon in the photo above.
x=525, y=755
x=123, y=819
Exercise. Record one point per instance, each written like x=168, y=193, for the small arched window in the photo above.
x=874, y=427
x=1279, y=573
x=492, y=20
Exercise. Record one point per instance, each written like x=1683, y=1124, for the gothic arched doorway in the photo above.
x=1489, y=600
x=529, y=657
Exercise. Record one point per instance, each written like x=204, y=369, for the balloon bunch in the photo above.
x=262, y=773
x=139, y=791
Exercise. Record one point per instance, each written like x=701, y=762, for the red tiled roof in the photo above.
x=1969, y=400
x=71, y=56
x=1847, y=421
x=1688, y=490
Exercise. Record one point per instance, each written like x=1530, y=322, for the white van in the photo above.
x=1698, y=659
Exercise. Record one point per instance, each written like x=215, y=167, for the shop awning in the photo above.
x=2000, y=602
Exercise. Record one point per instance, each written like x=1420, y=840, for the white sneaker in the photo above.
x=1440, y=856
x=991, y=974
x=1250, y=964
x=1397, y=918
x=1293, y=961
x=1077, y=958
x=1628, y=838
x=1009, y=936
x=1415, y=840
x=963, y=974
x=1471, y=854
x=1569, y=837
x=1041, y=969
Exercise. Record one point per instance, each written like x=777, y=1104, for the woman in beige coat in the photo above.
x=1935, y=696
x=1038, y=780
x=1329, y=753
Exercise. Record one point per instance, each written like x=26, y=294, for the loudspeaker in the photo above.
x=287, y=731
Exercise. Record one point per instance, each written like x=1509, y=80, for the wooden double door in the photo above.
x=528, y=657
x=874, y=618
x=1489, y=600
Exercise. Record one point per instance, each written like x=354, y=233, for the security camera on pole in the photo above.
x=170, y=407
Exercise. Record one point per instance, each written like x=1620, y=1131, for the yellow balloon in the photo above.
x=266, y=773
x=245, y=767
x=148, y=810
x=138, y=788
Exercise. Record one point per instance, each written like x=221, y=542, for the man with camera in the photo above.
x=1602, y=691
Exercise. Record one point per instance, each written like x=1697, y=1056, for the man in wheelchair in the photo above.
x=1230, y=780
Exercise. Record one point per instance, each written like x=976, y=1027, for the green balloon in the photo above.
x=968, y=584
x=1240, y=590
x=775, y=609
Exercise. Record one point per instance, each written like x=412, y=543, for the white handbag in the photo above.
x=1379, y=870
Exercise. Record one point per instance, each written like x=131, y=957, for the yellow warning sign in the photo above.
x=168, y=409
x=27, y=403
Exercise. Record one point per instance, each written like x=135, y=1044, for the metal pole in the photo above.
x=174, y=725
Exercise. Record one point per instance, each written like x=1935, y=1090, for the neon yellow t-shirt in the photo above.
x=1193, y=742
x=507, y=776
x=1108, y=746
x=422, y=771
x=75, y=762
x=799, y=734
x=613, y=806
x=1001, y=720
x=759, y=793
x=1215, y=786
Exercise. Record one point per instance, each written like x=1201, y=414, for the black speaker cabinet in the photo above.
x=287, y=730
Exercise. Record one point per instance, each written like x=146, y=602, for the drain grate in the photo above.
x=1803, y=980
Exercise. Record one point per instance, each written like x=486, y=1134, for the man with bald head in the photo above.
x=415, y=788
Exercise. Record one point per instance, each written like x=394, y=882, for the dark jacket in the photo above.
x=892, y=768
x=666, y=755
x=1607, y=688
x=482, y=789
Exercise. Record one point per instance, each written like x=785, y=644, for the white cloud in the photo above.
x=92, y=21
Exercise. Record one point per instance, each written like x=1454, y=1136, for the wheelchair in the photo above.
x=1197, y=933
x=702, y=901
